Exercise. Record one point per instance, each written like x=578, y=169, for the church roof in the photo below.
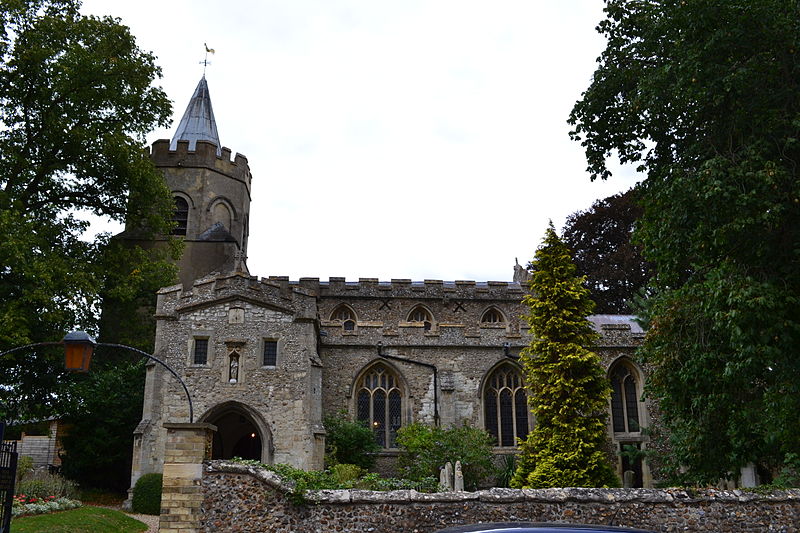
x=198, y=122
x=217, y=232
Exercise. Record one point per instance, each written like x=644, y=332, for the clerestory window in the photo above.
x=420, y=314
x=492, y=316
x=346, y=316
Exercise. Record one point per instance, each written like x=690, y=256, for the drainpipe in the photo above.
x=426, y=365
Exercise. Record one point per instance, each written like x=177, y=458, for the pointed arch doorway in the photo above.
x=241, y=432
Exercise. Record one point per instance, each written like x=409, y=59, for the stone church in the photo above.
x=266, y=359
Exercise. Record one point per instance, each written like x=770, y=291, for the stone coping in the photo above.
x=670, y=496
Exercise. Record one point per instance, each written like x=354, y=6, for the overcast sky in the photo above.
x=402, y=139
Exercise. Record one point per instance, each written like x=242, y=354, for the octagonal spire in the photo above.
x=198, y=122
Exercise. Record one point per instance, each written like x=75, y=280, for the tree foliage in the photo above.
x=426, y=449
x=568, y=390
x=705, y=96
x=602, y=249
x=98, y=442
x=76, y=100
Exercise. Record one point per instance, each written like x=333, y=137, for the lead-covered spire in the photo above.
x=198, y=122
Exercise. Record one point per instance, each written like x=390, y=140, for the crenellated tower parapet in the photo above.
x=204, y=156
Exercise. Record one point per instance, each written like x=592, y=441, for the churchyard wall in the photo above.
x=244, y=498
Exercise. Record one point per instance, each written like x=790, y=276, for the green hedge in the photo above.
x=147, y=495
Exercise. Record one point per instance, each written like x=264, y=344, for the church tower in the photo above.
x=211, y=192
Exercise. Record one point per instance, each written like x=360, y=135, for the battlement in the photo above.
x=217, y=288
x=338, y=287
x=205, y=156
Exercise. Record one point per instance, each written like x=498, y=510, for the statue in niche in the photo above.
x=233, y=372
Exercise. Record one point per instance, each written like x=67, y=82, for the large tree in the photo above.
x=76, y=100
x=568, y=389
x=705, y=96
x=602, y=249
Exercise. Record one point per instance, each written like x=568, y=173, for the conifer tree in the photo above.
x=568, y=390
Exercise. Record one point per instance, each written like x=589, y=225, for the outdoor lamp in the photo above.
x=78, y=348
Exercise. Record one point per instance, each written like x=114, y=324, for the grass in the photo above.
x=101, y=497
x=81, y=520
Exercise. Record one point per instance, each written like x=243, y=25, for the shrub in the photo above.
x=349, y=442
x=425, y=449
x=24, y=466
x=40, y=484
x=345, y=474
x=789, y=474
x=374, y=481
x=505, y=472
x=340, y=477
x=147, y=494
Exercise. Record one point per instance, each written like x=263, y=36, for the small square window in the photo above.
x=270, y=353
x=200, y=352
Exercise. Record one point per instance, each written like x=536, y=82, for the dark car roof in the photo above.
x=531, y=527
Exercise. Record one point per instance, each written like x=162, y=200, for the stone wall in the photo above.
x=241, y=498
x=43, y=449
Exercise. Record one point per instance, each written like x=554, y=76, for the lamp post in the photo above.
x=79, y=347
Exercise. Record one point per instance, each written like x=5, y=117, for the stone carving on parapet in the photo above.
x=521, y=275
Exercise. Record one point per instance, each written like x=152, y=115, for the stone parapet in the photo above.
x=433, y=289
x=246, y=498
x=218, y=288
x=205, y=156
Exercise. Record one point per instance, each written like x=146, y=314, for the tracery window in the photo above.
x=624, y=400
x=492, y=316
x=420, y=314
x=346, y=316
x=505, y=405
x=379, y=404
x=181, y=216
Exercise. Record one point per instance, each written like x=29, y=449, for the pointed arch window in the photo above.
x=492, y=316
x=346, y=316
x=505, y=403
x=180, y=216
x=624, y=400
x=420, y=314
x=379, y=404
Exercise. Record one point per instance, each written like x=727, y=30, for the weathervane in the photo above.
x=205, y=62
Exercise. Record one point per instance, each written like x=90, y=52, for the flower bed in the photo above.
x=28, y=505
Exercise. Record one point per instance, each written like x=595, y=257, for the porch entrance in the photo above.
x=238, y=434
